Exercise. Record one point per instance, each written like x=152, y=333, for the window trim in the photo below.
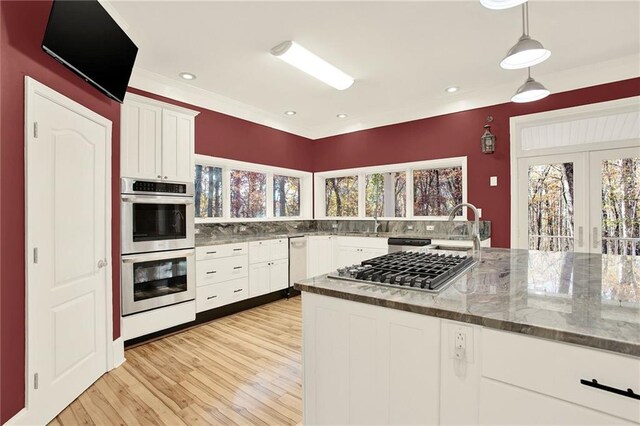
x=408, y=168
x=306, y=188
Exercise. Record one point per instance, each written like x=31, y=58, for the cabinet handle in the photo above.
x=580, y=236
x=237, y=267
x=211, y=297
x=165, y=177
x=238, y=249
x=211, y=252
x=238, y=290
x=159, y=177
x=629, y=393
x=595, y=237
x=211, y=272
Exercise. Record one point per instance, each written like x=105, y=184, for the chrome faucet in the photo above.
x=376, y=224
x=475, y=233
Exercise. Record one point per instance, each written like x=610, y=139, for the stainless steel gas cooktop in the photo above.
x=415, y=270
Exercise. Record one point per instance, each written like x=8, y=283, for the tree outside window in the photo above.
x=286, y=196
x=208, y=191
x=341, y=196
x=248, y=194
x=436, y=191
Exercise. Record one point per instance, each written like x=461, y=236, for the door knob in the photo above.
x=102, y=263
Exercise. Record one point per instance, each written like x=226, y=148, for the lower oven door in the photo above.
x=153, y=280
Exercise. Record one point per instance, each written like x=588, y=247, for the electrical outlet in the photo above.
x=460, y=344
x=243, y=228
x=493, y=181
x=430, y=227
x=334, y=226
x=410, y=227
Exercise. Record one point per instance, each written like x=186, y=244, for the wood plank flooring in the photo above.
x=241, y=369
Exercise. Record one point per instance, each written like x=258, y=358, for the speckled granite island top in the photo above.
x=590, y=300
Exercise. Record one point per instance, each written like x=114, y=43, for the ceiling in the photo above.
x=402, y=55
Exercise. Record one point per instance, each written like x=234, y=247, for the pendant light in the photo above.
x=526, y=52
x=501, y=4
x=530, y=91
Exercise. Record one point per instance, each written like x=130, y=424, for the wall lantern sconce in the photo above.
x=488, y=140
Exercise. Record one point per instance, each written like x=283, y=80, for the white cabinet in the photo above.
x=222, y=275
x=157, y=140
x=366, y=364
x=269, y=266
x=320, y=255
x=353, y=250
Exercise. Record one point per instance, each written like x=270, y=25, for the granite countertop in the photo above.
x=585, y=299
x=207, y=240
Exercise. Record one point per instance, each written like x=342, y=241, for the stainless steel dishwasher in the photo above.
x=297, y=259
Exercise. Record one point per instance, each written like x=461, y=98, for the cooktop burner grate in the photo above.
x=424, y=271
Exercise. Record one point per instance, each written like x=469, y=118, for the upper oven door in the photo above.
x=153, y=223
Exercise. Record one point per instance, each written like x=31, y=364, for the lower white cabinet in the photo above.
x=320, y=255
x=268, y=277
x=220, y=294
x=365, y=364
x=353, y=250
x=222, y=275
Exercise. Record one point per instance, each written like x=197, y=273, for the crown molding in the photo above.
x=570, y=79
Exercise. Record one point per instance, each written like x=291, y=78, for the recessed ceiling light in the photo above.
x=289, y=113
x=452, y=89
x=500, y=4
x=342, y=115
x=188, y=76
x=299, y=57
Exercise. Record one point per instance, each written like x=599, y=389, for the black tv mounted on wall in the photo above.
x=84, y=37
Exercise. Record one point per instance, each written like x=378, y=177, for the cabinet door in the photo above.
x=279, y=249
x=348, y=256
x=141, y=136
x=279, y=274
x=370, y=253
x=177, y=146
x=259, y=279
x=259, y=251
x=319, y=256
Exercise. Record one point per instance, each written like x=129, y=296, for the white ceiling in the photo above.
x=402, y=55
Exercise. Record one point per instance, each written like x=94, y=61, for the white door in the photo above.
x=614, y=202
x=68, y=249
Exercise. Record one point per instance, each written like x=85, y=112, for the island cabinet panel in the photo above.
x=366, y=364
x=556, y=369
x=503, y=404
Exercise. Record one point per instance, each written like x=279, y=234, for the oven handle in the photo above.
x=157, y=200
x=158, y=256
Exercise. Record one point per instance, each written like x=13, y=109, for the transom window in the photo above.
x=228, y=190
x=434, y=188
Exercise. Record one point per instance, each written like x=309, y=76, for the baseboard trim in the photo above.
x=212, y=314
x=118, y=353
x=18, y=418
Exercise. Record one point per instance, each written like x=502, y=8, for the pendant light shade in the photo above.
x=527, y=52
x=530, y=91
x=501, y=4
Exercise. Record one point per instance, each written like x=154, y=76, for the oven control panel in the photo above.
x=164, y=187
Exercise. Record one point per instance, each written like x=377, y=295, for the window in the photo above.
x=385, y=194
x=248, y=194
x=286, y=196
x=208, y=189
x=236, y=191
x=436, y=191
x=423, y=189
x=341, y=196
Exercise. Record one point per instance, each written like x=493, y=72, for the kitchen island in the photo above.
x=517, y=339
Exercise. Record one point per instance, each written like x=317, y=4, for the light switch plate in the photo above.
x=493, y=181
x=479, y=213
x=431, y=227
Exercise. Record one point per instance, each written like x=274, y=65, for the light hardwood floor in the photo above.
x=241, y=369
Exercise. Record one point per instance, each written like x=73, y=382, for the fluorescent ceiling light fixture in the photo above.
x=188, y=76
x=530, y=91
x=452, y=89
x=296, y=55
x=527, y=52
x=290, y=113
x=501, y=4
x=342, y=115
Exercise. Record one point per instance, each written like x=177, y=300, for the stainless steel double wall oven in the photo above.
x=157, y=244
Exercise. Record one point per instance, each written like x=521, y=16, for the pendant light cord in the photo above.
x=525, y=18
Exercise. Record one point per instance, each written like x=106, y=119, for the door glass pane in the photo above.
x=208, y=189
x=286, y=196
x=248, y=194
x=341, y=196
x=159, y=277
x=550, y=205
x=385, y=194
x=153, y=222
x=621, y=206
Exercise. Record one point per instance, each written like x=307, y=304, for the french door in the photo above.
x=581, y=201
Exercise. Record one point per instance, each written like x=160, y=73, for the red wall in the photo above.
x=221, y=135
x=455, y=135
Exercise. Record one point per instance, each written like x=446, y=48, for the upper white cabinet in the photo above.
x=157, y=140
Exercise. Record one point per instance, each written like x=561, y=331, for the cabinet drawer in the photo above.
x=220, y=270
x=555, y=369
x=222, y=250
x=220, y=294
x=279, y=249
x=259, y=251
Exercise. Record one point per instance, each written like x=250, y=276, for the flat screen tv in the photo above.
x=84, y=37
